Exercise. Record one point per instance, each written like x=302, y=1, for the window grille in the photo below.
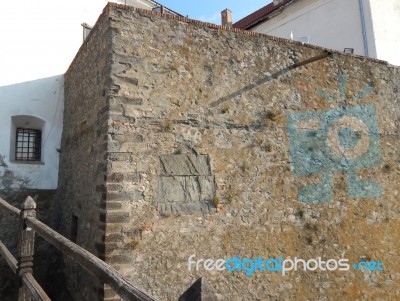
x=28, y=145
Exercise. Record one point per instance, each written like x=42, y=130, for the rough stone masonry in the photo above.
x=179, y=139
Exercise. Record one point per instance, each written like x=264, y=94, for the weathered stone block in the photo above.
x=114, y=188
x=128, y=137
x=132, y=177
x=115, y=177
x=184, y=194
x=120, y=79
x=115, y=129
x=118, y=156
x=113, y=205
x=119, y=259
x=114, y=217
x=125, y=196
x=185, y=165
x=114, y=237
x=131, y=111
x=126, y=101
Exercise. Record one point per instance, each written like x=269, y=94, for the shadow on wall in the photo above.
x=8, y=180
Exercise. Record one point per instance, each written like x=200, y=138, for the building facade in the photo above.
x=364, y=27
x=186, y=141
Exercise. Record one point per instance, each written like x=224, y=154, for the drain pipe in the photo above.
x=363, y=27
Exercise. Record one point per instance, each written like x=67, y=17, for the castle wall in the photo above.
x=215, y=148
x=81, y=199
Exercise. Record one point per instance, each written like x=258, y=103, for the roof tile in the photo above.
x=259, y=15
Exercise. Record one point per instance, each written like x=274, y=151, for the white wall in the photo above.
x=39, y=39
x=42, y=98
x=332, y=24
x=386, y=19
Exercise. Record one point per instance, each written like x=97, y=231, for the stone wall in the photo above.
x=216, y=148
x=81, y=192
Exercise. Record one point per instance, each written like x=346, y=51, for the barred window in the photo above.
x=28, y=145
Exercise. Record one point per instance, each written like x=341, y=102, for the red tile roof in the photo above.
x=259, y=15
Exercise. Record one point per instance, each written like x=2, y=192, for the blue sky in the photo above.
x=209, y=10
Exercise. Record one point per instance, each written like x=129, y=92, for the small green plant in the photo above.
x=311, y=227
x=134, y=244
x=271, y=115
x=259, y=141
x=268, y=147
x=309, y=240
x=224, y=110
x=229, y=198
x=168, y=125
x=245, y=166
x=365, y=258
x=300, y=213
x=216, y=201
x=178, y=151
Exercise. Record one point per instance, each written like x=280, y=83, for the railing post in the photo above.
x=25, y=246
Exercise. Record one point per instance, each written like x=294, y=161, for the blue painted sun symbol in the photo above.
x=342, y=88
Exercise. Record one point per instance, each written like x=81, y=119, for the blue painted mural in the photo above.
x=341, y=139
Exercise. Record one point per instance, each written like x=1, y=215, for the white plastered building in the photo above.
x=39, y=41
x=365, y=27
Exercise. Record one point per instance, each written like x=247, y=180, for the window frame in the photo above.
x=26, y=122
x=28, y=145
